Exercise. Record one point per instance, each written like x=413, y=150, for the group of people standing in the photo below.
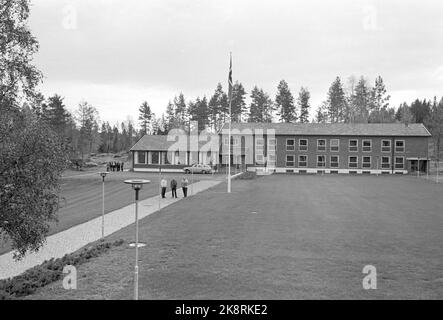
x=114, y=166
x=184, y=185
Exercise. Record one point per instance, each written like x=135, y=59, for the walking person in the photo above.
x=185, y=187
x=121, y=166
x=163, y=185
x=174, y=188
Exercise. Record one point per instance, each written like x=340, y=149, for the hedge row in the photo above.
x=248, y=175
x=49, y=271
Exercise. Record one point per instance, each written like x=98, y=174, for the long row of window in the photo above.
x=334, y=145
x=353, y=162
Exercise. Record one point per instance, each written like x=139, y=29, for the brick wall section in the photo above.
x=414, y=147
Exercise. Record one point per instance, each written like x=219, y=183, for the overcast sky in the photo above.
x=117, y=53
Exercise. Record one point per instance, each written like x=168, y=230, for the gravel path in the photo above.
x=76, y=237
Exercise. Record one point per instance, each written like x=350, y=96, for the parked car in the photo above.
x=198, y=168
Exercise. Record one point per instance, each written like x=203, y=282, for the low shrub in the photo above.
x=50, y=271
x=247, y=176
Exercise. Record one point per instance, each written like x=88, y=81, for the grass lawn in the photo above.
x=281, y=237
x=81, y=196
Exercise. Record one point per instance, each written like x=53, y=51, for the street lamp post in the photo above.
x=137, y=185
x=103, y=175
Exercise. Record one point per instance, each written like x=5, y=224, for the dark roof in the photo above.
x=161, y=143
x=339, y=129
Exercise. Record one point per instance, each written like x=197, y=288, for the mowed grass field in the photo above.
x=281, y=237
x=81, y=196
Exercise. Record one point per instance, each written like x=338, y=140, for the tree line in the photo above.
x=211, y=113
x=81, y=131
x=356, y=102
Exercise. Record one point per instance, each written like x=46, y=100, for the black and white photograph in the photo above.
x=221, y=155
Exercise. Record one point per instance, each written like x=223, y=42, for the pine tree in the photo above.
x=87, y=119
x=180, y=111
x=218, y=108
x=420, y=110
x=170, y=118
x=303, y=104
x=378, y=110
x=145, y=117
x=199, y=111
x=238, y=105
x=404, y=114
x=361, y=101
x=336, y=104
x=261, y=106
x=435, y=125
x=322, y=113
x=285, y=103
x=57, y=115
x=103, y=139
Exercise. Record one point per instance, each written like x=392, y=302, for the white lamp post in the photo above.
x=103, y=175
x=137, y=185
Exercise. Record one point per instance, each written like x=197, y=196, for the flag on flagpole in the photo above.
x=230, y=80
x=229, y=127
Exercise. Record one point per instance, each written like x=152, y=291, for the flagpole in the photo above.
x=229, y=126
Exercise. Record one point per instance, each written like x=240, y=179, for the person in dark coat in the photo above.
x=122, y=164
x=174, y=188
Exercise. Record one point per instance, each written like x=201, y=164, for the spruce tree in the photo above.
x=336, y=102
x=285, y=103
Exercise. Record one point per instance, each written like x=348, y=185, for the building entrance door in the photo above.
x=412, y=166
x=417, y=165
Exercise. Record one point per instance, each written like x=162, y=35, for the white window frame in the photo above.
x=158, y=158
x=389, y=163
x=257, y=159
x=257, y=140
x=337, y=146
x=324, y=162
x=349, y=146
x=293, y=160
x=363, y=162
x=259, y=149
x=137, y=158
x=302, y=155
x=403, y=162
x=404, y=146
x=381, y=146
x=363, y=145
x=318, y=150
x=300, y=146
x=293, y=146
x=338, y=161
x=273, y=146
x=269, y=157
x=349, y=162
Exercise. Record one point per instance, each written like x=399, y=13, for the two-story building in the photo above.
x=299, y=148
x=334, y=148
